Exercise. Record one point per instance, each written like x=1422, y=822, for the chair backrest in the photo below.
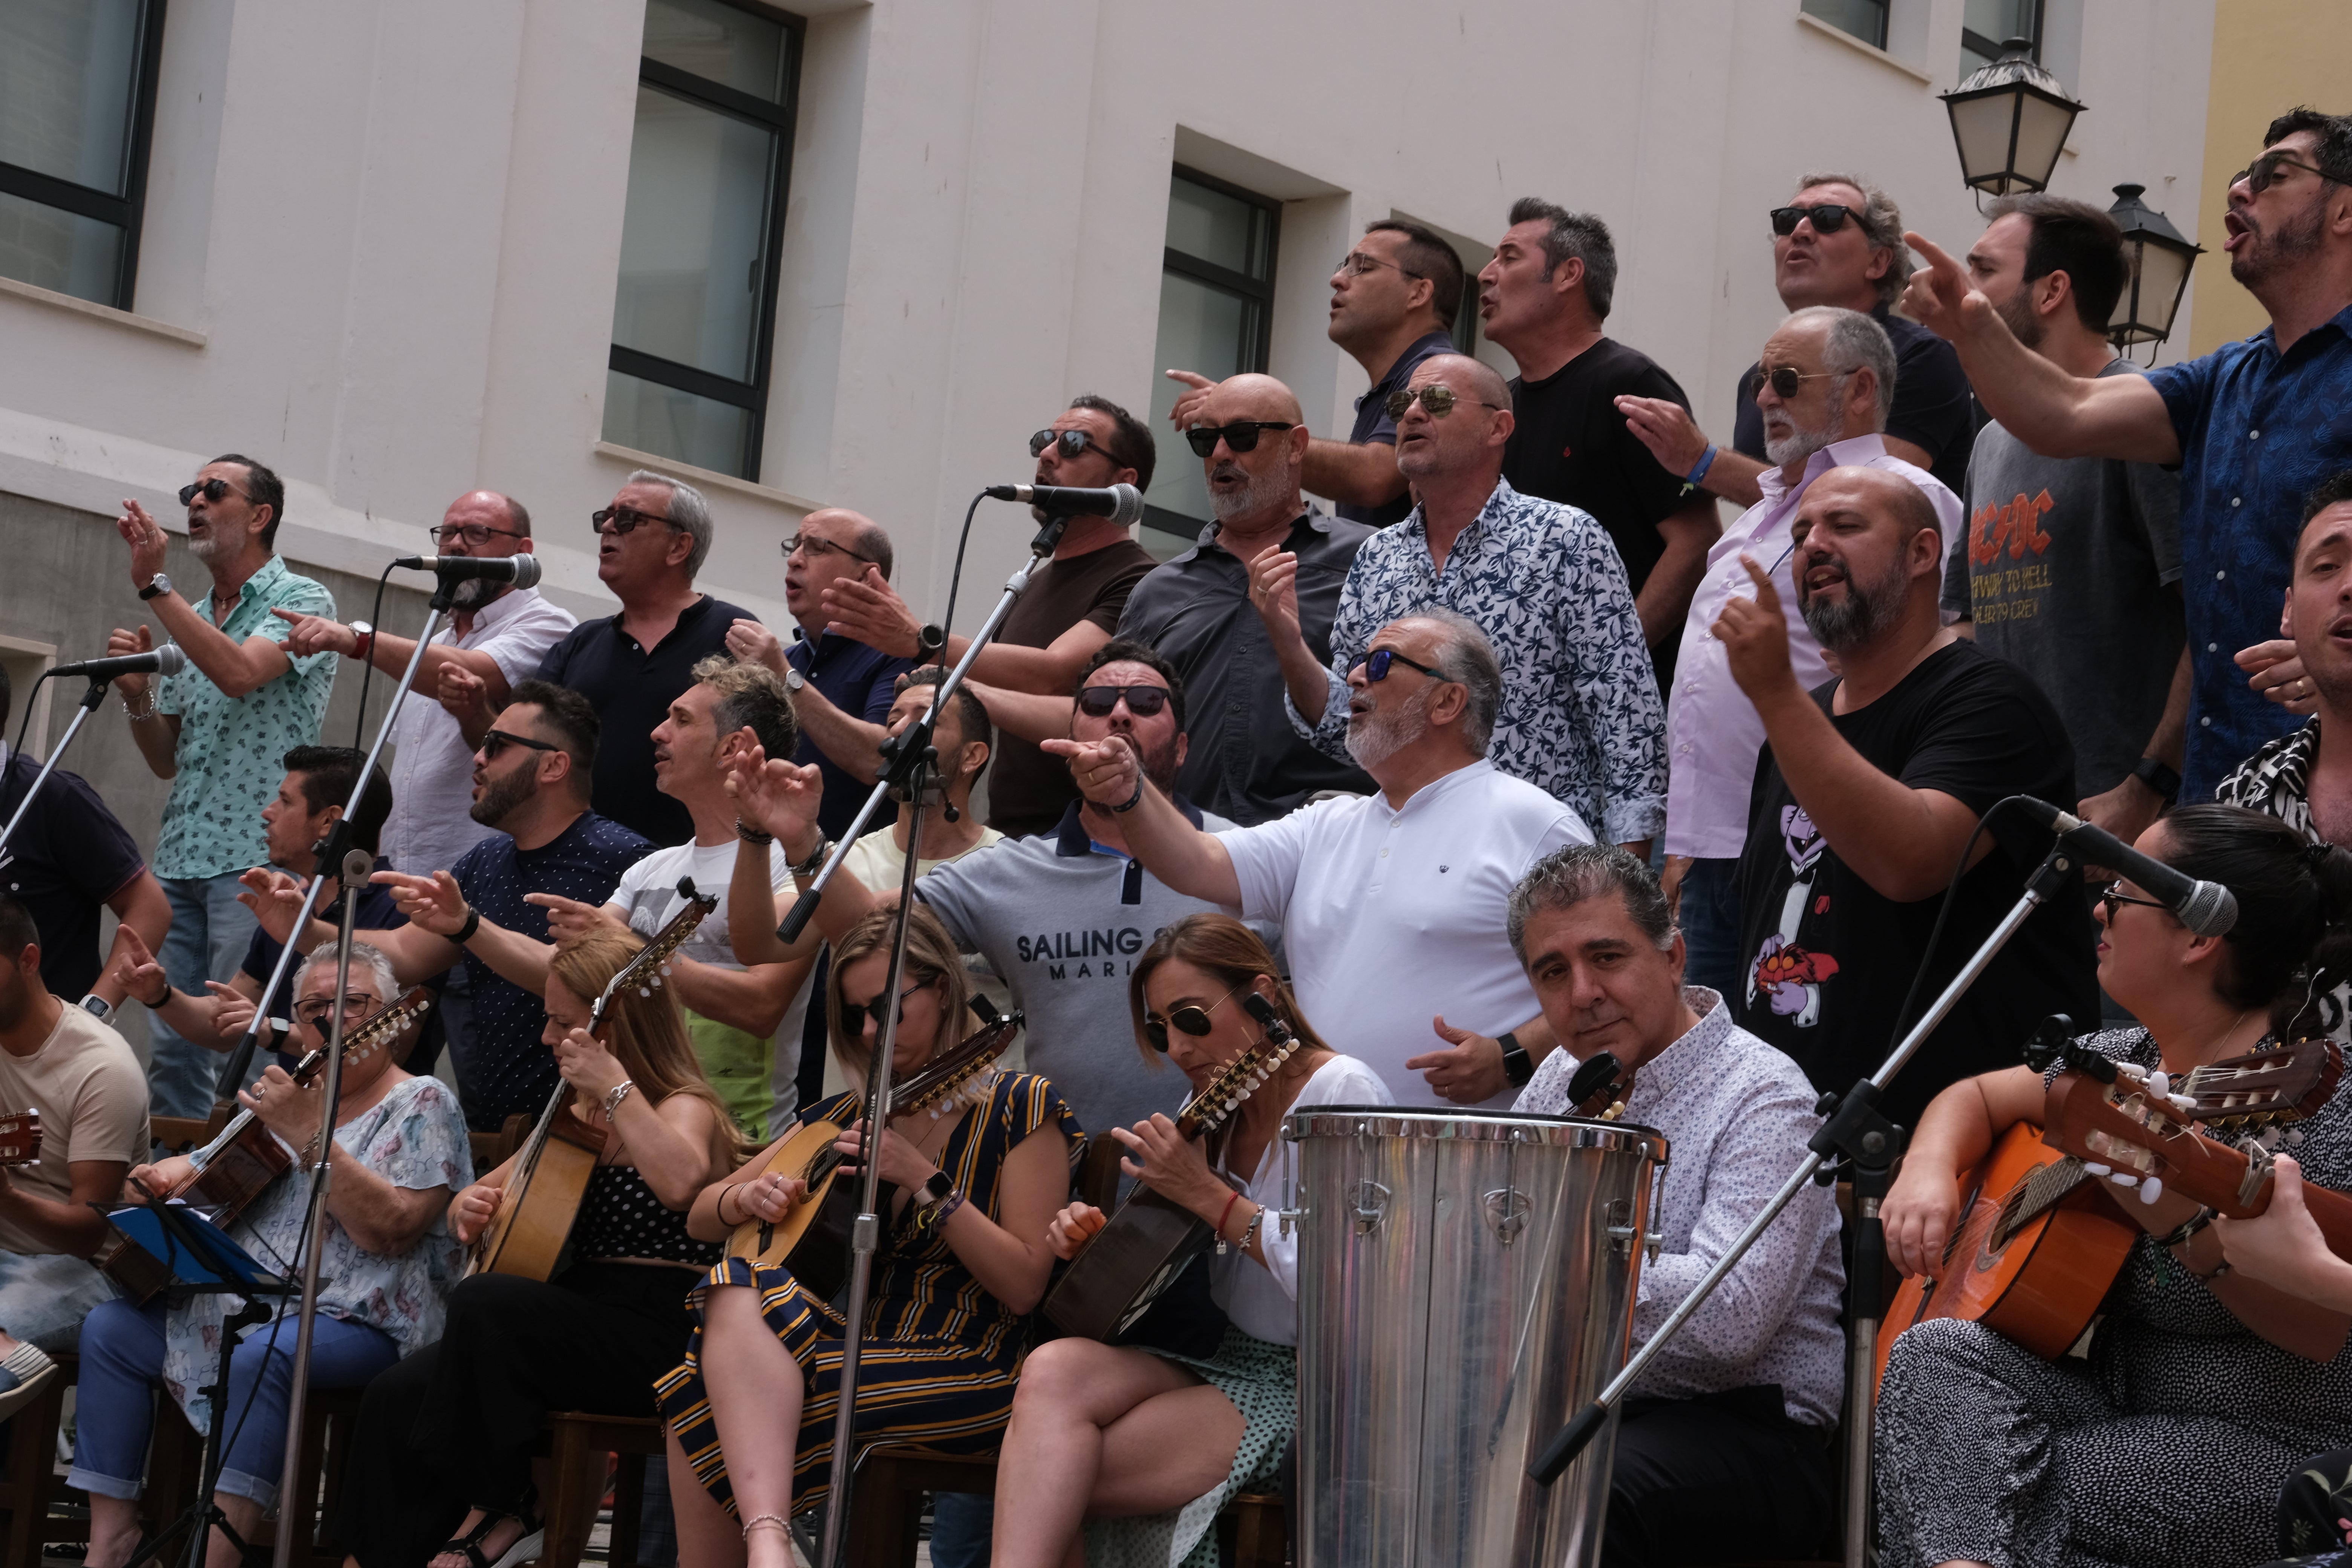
x=492, y=1150
x=177, y=1134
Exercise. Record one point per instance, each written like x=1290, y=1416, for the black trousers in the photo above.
x=460, y=1415
x=1721, y=1478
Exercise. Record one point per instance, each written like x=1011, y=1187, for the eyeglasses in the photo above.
x=1437, y=397
x=1143, y=701
x=496, y=741
x=1072, y=442
x=816, y=548
x=314, y=1012
x=2259, y=175
x=1828, y=217
x=854, y=1014
x=1376, y=662
x=1355, y=264
x=1786, y=381
x=471, y=533
x=1192, y=1020
x=214, y=488
x=2110, y=898
x=624, y=519
x=1241, y=435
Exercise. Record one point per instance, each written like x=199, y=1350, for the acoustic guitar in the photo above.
x=20, y=1139
x=2040, y=1242
x=527, y=1235
x=1152, y=1239
x=812, y=1241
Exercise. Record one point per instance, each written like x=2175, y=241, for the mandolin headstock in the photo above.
x=935, y=1088
x=1239, y=1078
x=652, y=963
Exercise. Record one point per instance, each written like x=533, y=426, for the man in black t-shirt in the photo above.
x=1543, y=298
x=1869, y=787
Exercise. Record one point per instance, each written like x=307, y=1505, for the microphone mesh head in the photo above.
x=528, y=569
x=2211, y=910
x=170, y=659
x=1130, y=505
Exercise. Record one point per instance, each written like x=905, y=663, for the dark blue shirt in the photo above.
x=70, y=856
x=377, y=911
x=2258, y=432
x=861, y=682
x=1373, y=424
x=504, y=1069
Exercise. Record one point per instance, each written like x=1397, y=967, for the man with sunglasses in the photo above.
x=217, y=731
x=1070, y=611
x=2254, y=426
x=497, y=634
x=1839, y=242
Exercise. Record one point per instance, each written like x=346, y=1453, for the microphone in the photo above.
x=522, y=571
x=2207, y=909
x=169, y=659
x=1122, y=504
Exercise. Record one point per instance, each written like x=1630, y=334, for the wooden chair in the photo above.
x=491, y=1150
x=577, y=1445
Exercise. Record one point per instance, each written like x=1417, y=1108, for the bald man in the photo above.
x=1869, y=787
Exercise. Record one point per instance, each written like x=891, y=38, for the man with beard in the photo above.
x=217, y=731
x=1393, y=906
x=531, y=781
x=496, y=633
x=2253, y=426
x=1870, y=786
x=1828, y=382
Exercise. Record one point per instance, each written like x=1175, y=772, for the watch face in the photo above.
x=794, y=678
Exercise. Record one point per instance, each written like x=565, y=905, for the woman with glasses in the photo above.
x=399, y=1152
x=1140, y=1448
x=969, y=1190
x=2202, y=1389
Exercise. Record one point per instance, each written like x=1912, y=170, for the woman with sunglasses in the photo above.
x=2204, y=1389
x=969, y=1190
x=1140, y=1448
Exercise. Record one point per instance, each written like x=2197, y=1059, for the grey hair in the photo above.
x=1469, y=661
x=1882, y=225
x=873, y=541
x=688, y=509
x=1581, y=871
x=1854, y=341
x=1574, y=237
x=364, y=956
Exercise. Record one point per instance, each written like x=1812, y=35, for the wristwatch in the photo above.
x=934, y=1190
x=1517, y=1065
x=98, y=1007
x=366, y=634
x=2153, y=772
x=794, y=678
x=157, y=586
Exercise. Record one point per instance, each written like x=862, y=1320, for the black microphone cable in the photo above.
x=947, y=622
x=1943, y=914
x=367, y=666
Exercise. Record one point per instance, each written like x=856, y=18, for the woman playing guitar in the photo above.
x=962, y=1259
x=399, y=1151
x=442, y=1449
x=1126, y=1437
x=2202, y=1388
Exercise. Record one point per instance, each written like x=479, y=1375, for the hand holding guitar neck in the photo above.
x=2284, y=1247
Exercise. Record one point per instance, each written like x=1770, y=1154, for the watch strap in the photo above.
x=157, y=586
x=2157, y=775
x=1517, y=1065
x=937, y=1188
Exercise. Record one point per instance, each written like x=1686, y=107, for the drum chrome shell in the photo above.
x=1466, y=1282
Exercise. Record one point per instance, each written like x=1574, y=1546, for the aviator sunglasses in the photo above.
x=1143, y=701
x=1437, y=397
x=1828, y=217
x=1191, y=1018
x=1787, y=380
x=2259, y=175
x=1240, y=435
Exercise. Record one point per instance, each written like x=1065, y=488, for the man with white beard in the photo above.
x=1393, y=906
x=1827, y=383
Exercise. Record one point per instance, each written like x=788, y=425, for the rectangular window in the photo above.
x=1865, y=19
x=77, y=112
x=694, y=317
x=1216, y=317
x=1986, y=25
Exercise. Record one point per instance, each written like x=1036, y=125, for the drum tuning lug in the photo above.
x=1622, y=1232
x=1372, y=1205
x=1506, y=1213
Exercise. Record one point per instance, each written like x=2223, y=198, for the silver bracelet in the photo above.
x=617, y=1093
x=1241, y=1243
x=136, y=717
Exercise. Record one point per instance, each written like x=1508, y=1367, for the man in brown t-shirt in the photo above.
x=1071, y=606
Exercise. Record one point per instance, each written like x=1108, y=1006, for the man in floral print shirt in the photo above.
x=1580, y=716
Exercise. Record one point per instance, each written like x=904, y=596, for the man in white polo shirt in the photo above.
x=1393, y=906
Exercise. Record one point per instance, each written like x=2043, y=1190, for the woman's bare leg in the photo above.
x=1165, y=1452
x=707, y=1538
x=1046, y=1472
x=755, y=1390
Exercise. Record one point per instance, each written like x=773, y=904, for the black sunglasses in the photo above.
x=1437, y=397
x=213, y=489
x=1376, y=662
x=1193, y=1020
x=854, y=1014
x=624, y=519
x=496, y=741
x=1786, y=381
x=314, y=1012
x=1101, y=701
x=2259, y=175
x=2112, y=899
x=1240, y=435
x=1072, y=442
x=1828, y=217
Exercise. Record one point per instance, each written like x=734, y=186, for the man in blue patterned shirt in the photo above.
x=2254, y=426
x=1580, y=716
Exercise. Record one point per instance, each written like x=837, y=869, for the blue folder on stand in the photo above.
x=207, y=1257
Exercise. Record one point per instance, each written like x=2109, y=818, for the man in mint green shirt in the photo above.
x=218, y=730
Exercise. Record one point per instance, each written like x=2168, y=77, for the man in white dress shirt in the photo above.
x=1392, y=905
x=1723, y=1448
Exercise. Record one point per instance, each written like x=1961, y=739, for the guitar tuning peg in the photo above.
x=2159, y=1084
x=2291, y=1137
x=2183, y=1104
x=2151, y=1189
x=2093, y=1168
x=2122, y=1178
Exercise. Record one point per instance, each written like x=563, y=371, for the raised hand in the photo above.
x=1274, y=593
x=749, y=642
x=464, y=694
x=136, y=971
x=868, y=610
x=147, y=541
x=2275, y=671
x=780, y=797
x=1073, y=1228
x=1108, y=772
x=569, y=920
x=1666, y=428
x=1190, y=402
x=1939, y=296
x=1468, y=1070
x=431, y=902
x=120, y=643
x=1755, y=636
x=232, y=1012
x=275, y=898
x=316, y=634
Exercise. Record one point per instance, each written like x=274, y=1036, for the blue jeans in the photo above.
x=961, y=1523
x=45, y=1296
x=1709, y=917
x=122, y=1358
x=210, y=931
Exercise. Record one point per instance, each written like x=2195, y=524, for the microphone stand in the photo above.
x=907, y=759
x=1869, y=1146
x=82, y=711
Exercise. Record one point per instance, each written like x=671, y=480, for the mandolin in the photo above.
x=2040, y=1241
x=242, y=1163
x=20, y=1139
x=812, y=1241
x=1153, y=1239
x=542, y=1196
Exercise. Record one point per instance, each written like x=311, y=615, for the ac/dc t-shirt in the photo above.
x=1828, y=959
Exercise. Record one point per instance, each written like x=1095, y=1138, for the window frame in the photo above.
x=128, y=211
x=1886, y=11
x=778, y=119
x=1977, y=43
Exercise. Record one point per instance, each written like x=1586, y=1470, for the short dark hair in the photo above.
x=2335, y=133
x=326, y=775
x=263, y=488
x=751, y=697
x=972, y=713
x=1575, y=237
x=17, y=931
x=2333, y=490
x=2078, y=239
x=1127, y=650
x=573, y=718
x=2292, y=943
x=1425, y=253
x=1130, y=444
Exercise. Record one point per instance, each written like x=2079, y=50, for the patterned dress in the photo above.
x=2165, y=1446
x=2276, y=781
x=939, y=1358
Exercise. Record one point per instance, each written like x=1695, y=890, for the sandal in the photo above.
x=469, y=1545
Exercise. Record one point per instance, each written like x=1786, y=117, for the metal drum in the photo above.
x=1465, y=1284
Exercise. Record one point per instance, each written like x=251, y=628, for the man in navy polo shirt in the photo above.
x=2254, y=425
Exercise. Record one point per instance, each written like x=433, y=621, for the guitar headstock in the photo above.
x=646, y=969
x=935, y=1088
x=2285, y=1083
x=1239, y=1078
x=20, y=1139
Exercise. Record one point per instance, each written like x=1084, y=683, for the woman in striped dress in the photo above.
x=969, y=1197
